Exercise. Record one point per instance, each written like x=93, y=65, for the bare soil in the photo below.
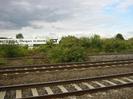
x=61, y=75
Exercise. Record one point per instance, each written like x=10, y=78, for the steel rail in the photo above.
x=81, y=92
x=70, y=93
x=62, y=67
x=71, y=63
x=9, y=87
x=60, y=64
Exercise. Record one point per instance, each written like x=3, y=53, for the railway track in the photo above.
x=65, y=66
x=63, y=88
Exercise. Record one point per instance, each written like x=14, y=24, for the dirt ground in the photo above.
x=61, y=75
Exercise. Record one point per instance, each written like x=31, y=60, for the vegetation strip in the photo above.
x=31, y=57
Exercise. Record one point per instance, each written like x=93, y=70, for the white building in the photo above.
x=29, y=42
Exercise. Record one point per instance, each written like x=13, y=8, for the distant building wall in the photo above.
x=29, y=42
x=26, y=41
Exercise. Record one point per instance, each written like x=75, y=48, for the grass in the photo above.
x=21, y=62
x=3, y=62
x=24, y=61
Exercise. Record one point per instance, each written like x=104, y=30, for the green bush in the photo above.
x=12, y=50
x=96, y=42
x=65, y=54
x=93, y=44
x=69, y=49
x=45, y=47
x=2, y=61
x=72, y=49
x=115, y=45
x=69, y=41
x=85, y=42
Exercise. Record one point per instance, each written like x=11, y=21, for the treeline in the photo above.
x=72, y=49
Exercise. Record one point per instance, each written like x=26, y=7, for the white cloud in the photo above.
x=60, y=17
x=124, y=4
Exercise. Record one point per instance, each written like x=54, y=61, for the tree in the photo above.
x=96, y=42
x=69, y=41
x=19, y=36
x=119, y=36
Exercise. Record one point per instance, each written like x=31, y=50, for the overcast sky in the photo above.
x=56, y=18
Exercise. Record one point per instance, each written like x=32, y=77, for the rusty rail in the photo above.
x=52, y=67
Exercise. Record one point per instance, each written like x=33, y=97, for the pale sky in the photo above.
x=56, y=18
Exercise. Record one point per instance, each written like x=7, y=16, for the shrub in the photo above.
x=69, y=41
x=93, y=44
x=69, y=49
x=115, y=45
x=12, y=50
x=61, y=54
x=96, y=42
x=85, y=42
x=2, y=61
x=45, y=47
